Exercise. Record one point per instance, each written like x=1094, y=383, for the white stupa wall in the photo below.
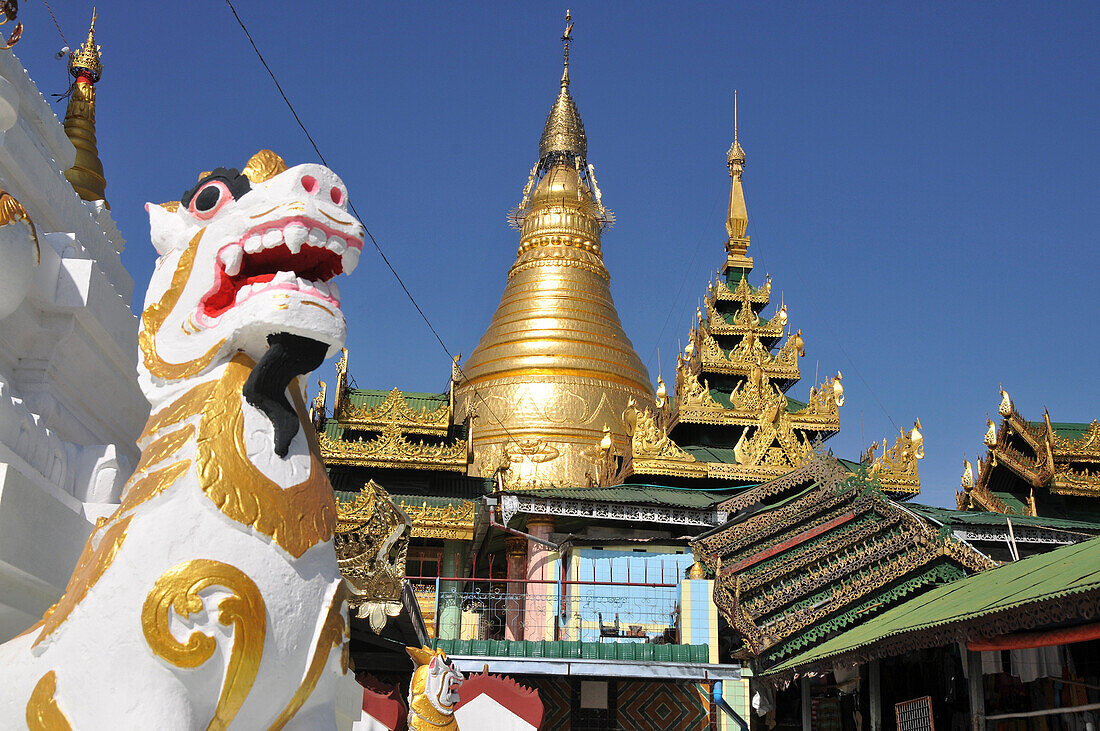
x=70, y=406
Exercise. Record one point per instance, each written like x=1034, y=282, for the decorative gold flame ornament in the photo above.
x=372, y=546
x=554, y=365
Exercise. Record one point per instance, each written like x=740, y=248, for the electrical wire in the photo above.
x=351, y=205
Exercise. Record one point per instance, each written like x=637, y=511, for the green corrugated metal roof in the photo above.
x=960, y=517
x=1068, y=570
x=371, y=397
x=566, y=650
x=1064, y=429
x=723, y=399
x=639, y=494
x=1011, y=501
x=705, y=453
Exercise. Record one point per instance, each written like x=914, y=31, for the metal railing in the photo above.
x=549, y=609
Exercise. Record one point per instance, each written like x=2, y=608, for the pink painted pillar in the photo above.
x=539, y=613
x=516, y=550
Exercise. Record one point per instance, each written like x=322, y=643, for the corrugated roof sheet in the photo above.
x=638, y=494
x=1064, y=429
x=566, y=650
x=371, y=397
x=1068, y=570
x=964, y=517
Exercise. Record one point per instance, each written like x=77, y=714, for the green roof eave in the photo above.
x=371, y=397
x=970, y=607
x=954, y=518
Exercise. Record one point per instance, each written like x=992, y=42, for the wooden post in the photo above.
x=805, y=687
x=977, y=690
x=875, y=695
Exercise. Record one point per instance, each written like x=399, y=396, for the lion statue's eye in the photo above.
x=209, y=199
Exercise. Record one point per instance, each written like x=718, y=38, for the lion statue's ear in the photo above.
x=420, y=655
x=166, y=229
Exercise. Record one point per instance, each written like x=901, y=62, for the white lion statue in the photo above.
x=211, y=596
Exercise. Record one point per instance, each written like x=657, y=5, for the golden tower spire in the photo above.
x=554, y=366
x=737, y=215
x=86, y=174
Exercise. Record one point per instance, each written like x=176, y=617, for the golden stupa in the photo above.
x=553, y=374
x=86, y=174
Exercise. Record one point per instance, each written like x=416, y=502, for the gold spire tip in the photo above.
x=85, y=61
x=566, y=39
x=736, y=154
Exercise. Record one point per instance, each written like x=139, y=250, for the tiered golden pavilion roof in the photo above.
x=402, y=431
x=729, y=417
x=554, y=371
x=1035, y=467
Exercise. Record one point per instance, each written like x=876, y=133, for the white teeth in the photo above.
x=317, y=238
x=243, y=293
x=337, y=244
x=295, y=235
x=284, y=278
x=231, y=257
x=303, y=284
x=333, y=291
x=320, y=287
x=351, y=259
x=253, y=244
x=272, y=237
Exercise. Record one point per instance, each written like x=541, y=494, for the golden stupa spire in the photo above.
x=554, y=364
x=86, y=174
x=563, y=138
x=737, y=215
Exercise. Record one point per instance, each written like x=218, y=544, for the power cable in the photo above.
x=351, y=205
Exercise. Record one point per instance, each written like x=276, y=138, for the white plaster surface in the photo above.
x=70, y=406
x=485, y=712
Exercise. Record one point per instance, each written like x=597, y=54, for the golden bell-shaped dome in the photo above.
x=554, y=366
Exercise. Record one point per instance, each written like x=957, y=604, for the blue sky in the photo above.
x=921, y=178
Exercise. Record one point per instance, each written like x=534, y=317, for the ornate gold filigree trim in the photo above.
x=449, y=522
x=395, y=410
x=392, y=449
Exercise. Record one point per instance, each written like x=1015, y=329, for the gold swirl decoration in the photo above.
x=178, y=589
x=43, y=713
x=296, y=517
x=94, y=560
x=334, y=633
x=155, y=315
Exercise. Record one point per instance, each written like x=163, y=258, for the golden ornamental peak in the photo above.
x=563, y=138
x=736, y=155
x=85, y=61
x=86, y=174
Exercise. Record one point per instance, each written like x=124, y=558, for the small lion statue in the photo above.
x=211, y=596
x=433, y=691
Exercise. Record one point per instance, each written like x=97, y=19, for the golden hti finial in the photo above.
x=86, y=174
x=566, y=39
x=735, y=158
x=737, y=214
x=85, y=60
